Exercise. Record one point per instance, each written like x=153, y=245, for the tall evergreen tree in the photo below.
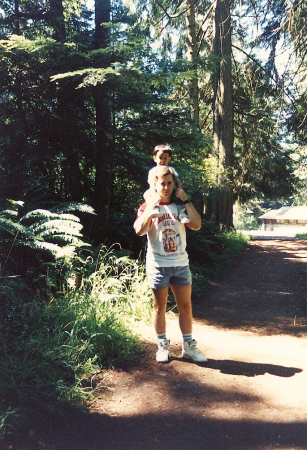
x=223, y=133
x=104, y=124
x=57, y=20
x=192, y=53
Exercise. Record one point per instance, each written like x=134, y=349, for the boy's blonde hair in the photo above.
x=163, y=171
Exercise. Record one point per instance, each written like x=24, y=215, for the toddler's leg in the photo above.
x=146, y=195
x=183, y=217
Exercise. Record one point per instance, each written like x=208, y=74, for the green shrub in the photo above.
x=50, y=348
x=302, y=236
x=209, y=249
x=233, y=244
x=204, y=246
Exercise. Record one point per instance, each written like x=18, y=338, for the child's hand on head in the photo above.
x=153, y=199
x=181, y=194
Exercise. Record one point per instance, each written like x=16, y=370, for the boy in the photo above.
x=167, y=262
x=162, y=157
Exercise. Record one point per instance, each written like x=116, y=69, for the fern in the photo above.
x=57, y=226
x=72, y=206
x=7, y=224
x=56, y=232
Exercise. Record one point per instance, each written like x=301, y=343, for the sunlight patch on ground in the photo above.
x=252, y=377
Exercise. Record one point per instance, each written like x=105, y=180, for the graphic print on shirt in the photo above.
x=171, y=240
x=167, y=219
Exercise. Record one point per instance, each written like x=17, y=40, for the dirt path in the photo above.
x=251, y=323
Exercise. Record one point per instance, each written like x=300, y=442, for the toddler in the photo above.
x=162, y=156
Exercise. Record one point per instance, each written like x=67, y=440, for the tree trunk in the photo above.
x=16, y=18
x=17, y=169
x=57, y=20
x=102, y=16
x=223, y=135
x=104, y=129
x=104, y=158
x=192, y=55
x=72, y=176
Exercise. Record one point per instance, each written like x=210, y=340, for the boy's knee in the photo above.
x=185, y=306
x=159, y=308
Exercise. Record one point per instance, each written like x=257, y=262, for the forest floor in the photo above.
x=251, y=323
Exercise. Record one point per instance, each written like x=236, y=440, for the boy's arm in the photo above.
x=195, y=219
x=143, y=222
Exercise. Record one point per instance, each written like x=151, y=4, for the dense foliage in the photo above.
x=80, y=118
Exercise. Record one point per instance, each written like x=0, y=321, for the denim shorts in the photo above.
x=163, y=277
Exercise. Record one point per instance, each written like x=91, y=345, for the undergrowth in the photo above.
x=209, y=249
x=302, y=236
x=51, y=349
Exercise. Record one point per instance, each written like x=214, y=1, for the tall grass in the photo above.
x=50, y=349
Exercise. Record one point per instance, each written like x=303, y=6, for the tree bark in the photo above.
x=16, y=18
x=192, y=55
x=16, y=173
x=57, y=20
x=104, y=129
x=223, y=134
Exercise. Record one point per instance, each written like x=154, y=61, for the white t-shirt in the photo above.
x=166, y=239
x=152, y=173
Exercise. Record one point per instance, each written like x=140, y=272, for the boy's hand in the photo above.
x=181, y=194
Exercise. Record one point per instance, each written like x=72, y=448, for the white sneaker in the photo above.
x=190, y=351
x=183, y=217
x=162, y=354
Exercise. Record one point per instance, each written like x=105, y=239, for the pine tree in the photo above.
x=104, y=125
x=223, y=132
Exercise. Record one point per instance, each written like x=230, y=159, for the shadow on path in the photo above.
x=230, y=367
x=180, y=432
x=251, y=369
x=263, y=290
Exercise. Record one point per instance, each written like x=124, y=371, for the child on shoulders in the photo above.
x=162, y=156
